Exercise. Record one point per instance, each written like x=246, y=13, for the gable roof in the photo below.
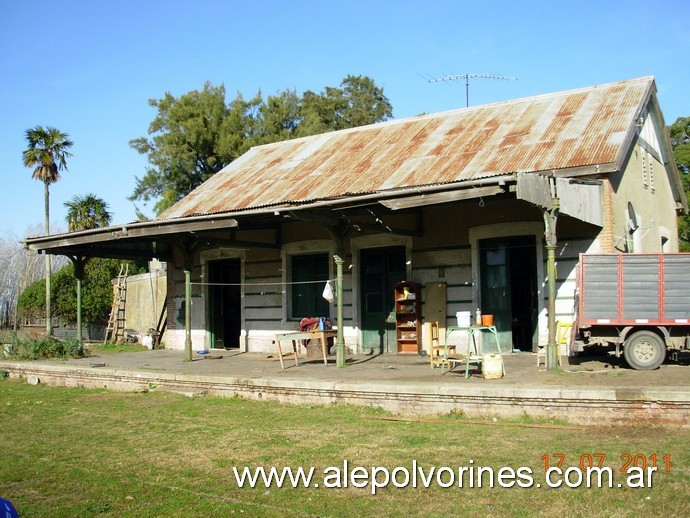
x=583, y=128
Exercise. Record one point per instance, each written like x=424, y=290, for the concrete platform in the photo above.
x=588, y=391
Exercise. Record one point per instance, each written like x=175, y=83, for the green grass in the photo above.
x=78, y=452
x=21, y=348
x=26, y=347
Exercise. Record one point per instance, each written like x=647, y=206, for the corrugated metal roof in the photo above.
x=575, y=128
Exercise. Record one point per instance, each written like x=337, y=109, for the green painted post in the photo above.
x=49, y=310
x=79, y=263
x=551, y=345
x=79, y=335
x=340, y=344
x=188, y=315
x=550, y=217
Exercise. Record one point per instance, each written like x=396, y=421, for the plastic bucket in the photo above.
x=487, y=320
x=492, y=366
x=464, y=318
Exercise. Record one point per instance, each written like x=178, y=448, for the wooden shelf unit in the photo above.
x=408, y=317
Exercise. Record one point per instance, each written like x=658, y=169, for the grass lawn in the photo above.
x=77, y=452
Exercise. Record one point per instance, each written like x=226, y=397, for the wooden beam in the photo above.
x=588, y=170
x=150, y=231
x=441, y=197
x=323, y=218
x=378, y=229
x=110, y=252
x=236, y=243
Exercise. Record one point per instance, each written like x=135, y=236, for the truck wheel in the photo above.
x=644, y=351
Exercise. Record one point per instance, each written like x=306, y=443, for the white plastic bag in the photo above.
x=328, y=292
x=148, y=342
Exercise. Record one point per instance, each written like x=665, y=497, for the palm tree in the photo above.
x=84, y=212
x=47, y=154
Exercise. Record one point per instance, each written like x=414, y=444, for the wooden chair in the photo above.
x=564, y=335
x=438, y=354
x=564, y=331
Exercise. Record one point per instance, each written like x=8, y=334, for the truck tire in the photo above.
x=644, y=351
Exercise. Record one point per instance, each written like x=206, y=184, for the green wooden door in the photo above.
x=381, y=269
x=495, y=287
x=307, y=299
x=507, y=269
x=225, y=303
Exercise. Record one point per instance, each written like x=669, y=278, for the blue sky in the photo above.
x=89, y=67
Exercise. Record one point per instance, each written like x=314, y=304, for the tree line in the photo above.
x=679, y=133
x=194, y=136
x=19, y=268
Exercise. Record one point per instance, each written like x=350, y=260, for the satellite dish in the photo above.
x=632, y=218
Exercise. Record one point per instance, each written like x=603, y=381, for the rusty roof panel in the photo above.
x=577, y=128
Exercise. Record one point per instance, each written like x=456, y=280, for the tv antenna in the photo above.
x=467, y=78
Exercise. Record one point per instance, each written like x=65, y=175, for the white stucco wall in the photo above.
x=646, y=185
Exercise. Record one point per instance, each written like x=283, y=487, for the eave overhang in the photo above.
x=144, y=239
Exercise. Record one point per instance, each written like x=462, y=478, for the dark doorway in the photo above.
x=508, y=273
x=381, y=269
x=225, y=315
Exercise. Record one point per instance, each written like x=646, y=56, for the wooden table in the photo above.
x=477, y=357
x=318, y=334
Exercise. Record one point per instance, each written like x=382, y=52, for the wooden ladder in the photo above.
x=116, y=320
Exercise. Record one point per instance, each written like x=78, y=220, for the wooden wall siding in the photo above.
x=262, y=298
x=296, y=231
x=176, y=286
x=451, y=266
x=174, y=336
x=581, y=200
x=264, y=304
x=263, y=291
x=567, y=256
x=170, y=322
x=348, y=316
x=578, y=199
